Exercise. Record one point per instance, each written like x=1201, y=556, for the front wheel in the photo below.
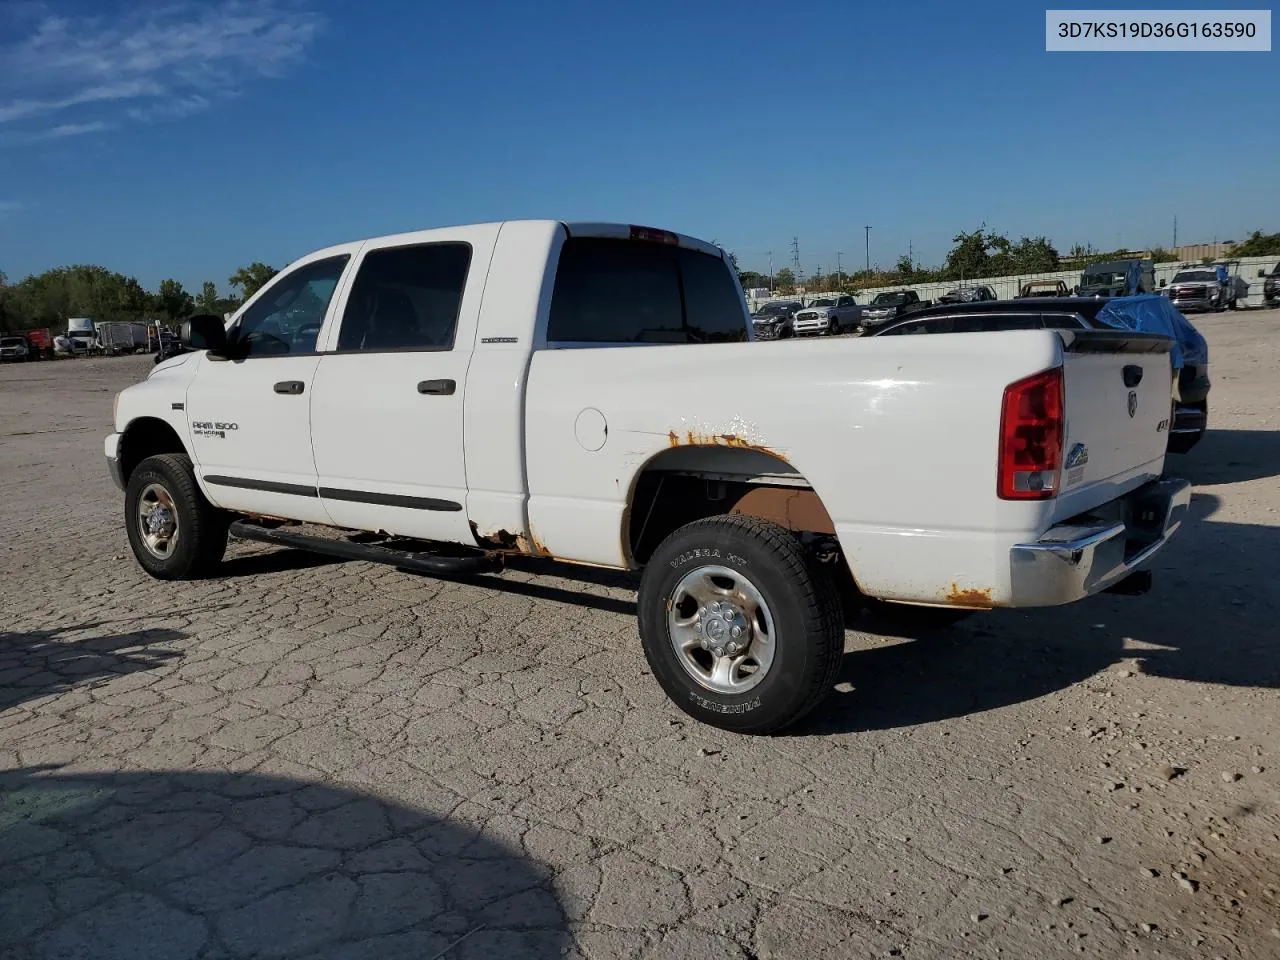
x=175, y=533
x=741, y=632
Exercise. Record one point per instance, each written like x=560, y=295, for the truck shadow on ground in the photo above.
x=1229, y=456
x=44, y=662
x=185, y=864
x=1209, y=619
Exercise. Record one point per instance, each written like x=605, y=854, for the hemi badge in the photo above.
x=179, y=406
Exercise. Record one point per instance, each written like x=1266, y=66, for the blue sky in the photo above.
x=183, y=139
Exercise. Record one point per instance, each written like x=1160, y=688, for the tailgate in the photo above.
x=1118, y=396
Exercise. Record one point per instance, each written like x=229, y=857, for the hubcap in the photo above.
x=721, y=629
x=158, y=521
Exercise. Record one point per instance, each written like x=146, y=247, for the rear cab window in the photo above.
x=614, y=291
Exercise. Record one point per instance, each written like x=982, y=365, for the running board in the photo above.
x=465, y=561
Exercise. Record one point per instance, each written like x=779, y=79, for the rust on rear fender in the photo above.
x=796, y=509
x=698, y=438
x=970, y=597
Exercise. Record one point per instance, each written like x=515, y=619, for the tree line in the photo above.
x=981, y=253
x=88, y=290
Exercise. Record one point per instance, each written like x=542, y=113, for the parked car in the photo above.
x=1118, y=278
x=1271, y=286
x=14, y=349
x=1205, y=288
x=1190, y=362
x=1043, y=288
x=773, y=320
x=827, y=316
x=888, y=307
x=588, y=393
x=981, y=294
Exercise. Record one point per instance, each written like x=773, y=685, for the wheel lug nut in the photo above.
x=705, y=644
x=715, y=606
x=731, y=648
x=736, y=632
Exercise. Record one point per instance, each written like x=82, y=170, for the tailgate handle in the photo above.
x=437, y=388
x=1132, y=375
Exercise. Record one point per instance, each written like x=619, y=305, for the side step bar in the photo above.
x=463, y=562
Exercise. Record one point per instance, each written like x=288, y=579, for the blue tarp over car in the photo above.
x=1153, y=313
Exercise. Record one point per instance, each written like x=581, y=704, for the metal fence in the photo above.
x=1006, y=288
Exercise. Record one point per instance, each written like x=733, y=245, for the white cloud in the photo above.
x=143, y=64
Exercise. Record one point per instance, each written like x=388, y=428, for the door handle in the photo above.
x=291, y=387
x=1132, y=375
x=437, y=388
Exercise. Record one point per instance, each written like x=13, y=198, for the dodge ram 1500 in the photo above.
x=586, y=392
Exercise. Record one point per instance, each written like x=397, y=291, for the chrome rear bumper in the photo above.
x=1097, y=551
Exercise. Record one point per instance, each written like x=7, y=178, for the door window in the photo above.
x=288, y=316
x=406, y=298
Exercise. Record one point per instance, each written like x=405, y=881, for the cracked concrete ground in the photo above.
x=338, y=760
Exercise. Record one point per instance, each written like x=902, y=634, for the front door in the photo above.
x=387, y=408
x=250, y=416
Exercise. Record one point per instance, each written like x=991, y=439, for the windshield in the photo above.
x=775, y=309
x=888, y=299
x=1188, y=275
x=1108, y=278
x=823, y=302
x=11, y=341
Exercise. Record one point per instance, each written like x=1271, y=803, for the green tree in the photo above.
x=785, y=280
x=174, y=302
x=751, y=279
x=252, y=278
x=904, y=266
x=1161, y=255
x=207, y=302
x=1258, y=244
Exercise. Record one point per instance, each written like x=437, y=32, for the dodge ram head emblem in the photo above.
x=1133, y=402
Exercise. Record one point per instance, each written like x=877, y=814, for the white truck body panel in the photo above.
x=541, y=445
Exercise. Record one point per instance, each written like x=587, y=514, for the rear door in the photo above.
x=1118, y=387
x=387, y=407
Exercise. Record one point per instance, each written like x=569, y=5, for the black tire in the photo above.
x=833, y=328
x=200, y=539
x=808, y=626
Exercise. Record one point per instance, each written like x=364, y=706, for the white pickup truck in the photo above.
x=590, y=393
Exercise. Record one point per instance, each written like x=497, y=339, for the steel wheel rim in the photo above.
x=158, y=521
x=721, y=630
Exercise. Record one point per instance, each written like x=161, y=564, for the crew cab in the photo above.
x=587, y=393
x=827, y=315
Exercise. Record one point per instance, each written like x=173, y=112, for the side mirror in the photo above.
x=205, y=332
x=1075, y=291
x=1262, y=273
x=1164, y=283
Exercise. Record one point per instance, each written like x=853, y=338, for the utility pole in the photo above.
x=771, y=272
x=795, y=256
x=1175, y=232
x=911, y=254
x=868, y=229
x=839, y=269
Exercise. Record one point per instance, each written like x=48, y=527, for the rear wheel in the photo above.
x=175, y=533
x=741, y=632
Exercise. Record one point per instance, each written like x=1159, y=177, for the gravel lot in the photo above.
x=337, y=759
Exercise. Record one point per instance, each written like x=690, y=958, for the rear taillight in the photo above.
x=1031, y=433
x=653, y=236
